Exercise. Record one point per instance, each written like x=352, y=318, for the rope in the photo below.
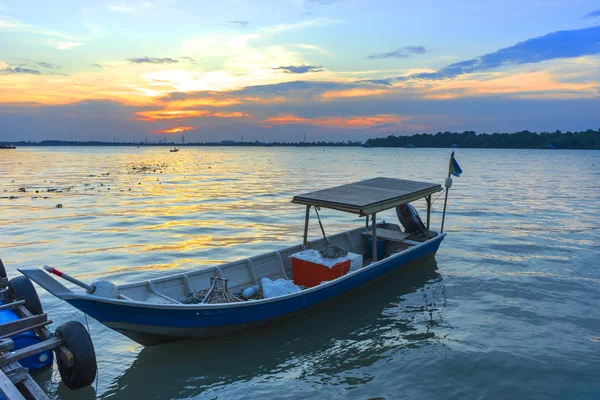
x=218, y=296
x=331, y=251
x=442, y=192
x=90, y=332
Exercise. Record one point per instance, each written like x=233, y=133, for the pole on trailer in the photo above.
x=448, y=185
x=305, y=242
x=374, y=227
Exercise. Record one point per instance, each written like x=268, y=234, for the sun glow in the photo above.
x=174, y=131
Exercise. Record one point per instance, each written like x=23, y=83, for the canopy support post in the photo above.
x=305, y=241
x=428, y=200
x=374, y=228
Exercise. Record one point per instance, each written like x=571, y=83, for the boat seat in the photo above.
x=388, y=234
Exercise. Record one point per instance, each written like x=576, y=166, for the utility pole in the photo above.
x=182, y=139
x=304, y=138
x=242, y=138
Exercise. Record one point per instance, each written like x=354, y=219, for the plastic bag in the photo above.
x=280, y=287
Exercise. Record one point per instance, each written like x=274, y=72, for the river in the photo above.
x=509, y=308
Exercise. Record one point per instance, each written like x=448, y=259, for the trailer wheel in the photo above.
x=21, y=288
x=2, y=270
x=77, y=339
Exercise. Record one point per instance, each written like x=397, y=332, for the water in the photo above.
x=509, y=309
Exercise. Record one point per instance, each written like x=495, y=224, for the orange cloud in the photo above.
x=356, y=92
x=202, y=102
x=531, y=84
x=173, y=131
x=219, y=100
x=339, y=122
x=160, y=115
x=169, y=114
x=233, y=114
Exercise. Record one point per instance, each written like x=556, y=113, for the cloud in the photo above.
x=384, y=82
x=120, y=7
x=153, y=60
x=321, y=1
x=555, y=45
x=300, y=69
x=593, y=14
x=132, y=7
x=48, y=65
x=174, y=131
x=313, y=47
x=285, y=87
x=239, y=23
x=355, y=92
x=67, y=45
x=19, y=70
x=350, y=122
x=11, y=24
x=189, y=59
x=168, y=114
x=299, y=25
x=561, y=44
x=402, y=52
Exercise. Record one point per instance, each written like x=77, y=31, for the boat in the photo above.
x=154, y=311
x=367, y=145
x=174, y=150
x=6, y=146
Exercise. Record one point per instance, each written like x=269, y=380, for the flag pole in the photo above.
x=448, y=185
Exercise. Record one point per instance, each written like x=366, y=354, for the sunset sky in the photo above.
x=274, y=70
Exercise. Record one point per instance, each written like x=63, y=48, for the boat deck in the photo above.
x=244, y=273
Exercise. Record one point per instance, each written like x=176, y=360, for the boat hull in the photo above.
x=154, y=325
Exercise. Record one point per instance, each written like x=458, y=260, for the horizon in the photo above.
x=336, y=70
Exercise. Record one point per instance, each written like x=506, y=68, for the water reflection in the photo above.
x=402, y=310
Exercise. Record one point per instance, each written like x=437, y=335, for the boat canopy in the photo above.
x=370, y=196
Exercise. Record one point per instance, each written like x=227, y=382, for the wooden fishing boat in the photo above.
x=152, y=311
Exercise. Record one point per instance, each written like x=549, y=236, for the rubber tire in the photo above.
x=77, y=339
x=2, y=270
x=21, y=288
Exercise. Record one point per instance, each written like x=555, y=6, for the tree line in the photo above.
x=589, y=139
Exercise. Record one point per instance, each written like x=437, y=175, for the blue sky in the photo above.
x=273, y=70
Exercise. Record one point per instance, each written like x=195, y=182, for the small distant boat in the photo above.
x=174, y=150
x=6, y=146
x=410, y=146
x=156, y=310
x=367, y=145
x=550, y=146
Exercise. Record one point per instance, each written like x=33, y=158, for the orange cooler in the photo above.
x=309, y=269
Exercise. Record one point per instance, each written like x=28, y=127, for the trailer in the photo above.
x=26, y=343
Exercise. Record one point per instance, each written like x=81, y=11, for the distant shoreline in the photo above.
x=584, y=140
x=168, y=146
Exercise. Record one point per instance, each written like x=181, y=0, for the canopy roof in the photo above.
x=370, y=196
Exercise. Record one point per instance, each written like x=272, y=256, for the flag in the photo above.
x=454, y=167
